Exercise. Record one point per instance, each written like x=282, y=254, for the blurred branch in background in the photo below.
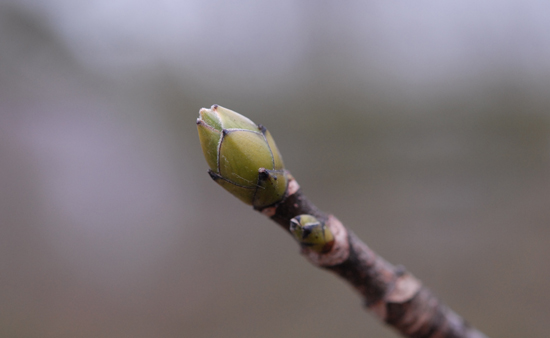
x=442, y=109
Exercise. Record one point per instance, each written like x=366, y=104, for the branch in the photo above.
x=244, y=160
x=394, y=295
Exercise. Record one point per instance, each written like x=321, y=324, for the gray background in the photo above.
x=424, y=126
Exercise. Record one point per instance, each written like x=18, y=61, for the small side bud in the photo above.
x=311, y=233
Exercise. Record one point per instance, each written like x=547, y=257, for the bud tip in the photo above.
x=262, y=129
x=263, y=174
x=213, y=175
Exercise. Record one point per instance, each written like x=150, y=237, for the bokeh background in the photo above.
x=424, y=126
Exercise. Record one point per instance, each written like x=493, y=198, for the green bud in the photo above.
x=242, y=157
x=312, y=233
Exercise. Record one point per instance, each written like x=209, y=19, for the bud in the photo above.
x=242, y=157
x=312, y=233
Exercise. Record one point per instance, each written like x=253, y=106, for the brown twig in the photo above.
x=391, y=293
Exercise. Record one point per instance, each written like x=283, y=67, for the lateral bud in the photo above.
x=312, y=233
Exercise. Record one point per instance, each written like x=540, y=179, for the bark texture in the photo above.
x=391, y=293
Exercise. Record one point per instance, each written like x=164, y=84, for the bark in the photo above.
x=390, y=292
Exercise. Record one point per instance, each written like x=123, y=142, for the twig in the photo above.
x=390, y=292
x=244, y=160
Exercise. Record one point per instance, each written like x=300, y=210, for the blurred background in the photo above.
x=424, y=126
